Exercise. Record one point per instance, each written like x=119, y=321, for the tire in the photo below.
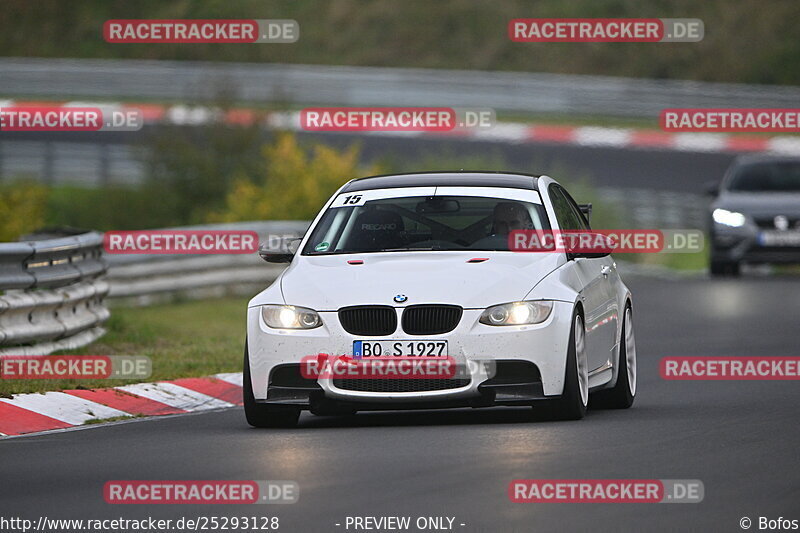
x=621, y=396
x=724, y=268
x=575, y=397
x=260, y=415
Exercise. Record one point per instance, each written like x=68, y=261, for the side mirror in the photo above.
x=293, y=244
x=282, y=254
x=270, y=255
x=599, y=245
x=712, y=188
x=586, y=209
x=589, y=255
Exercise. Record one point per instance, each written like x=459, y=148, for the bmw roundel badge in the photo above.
x=400, y=298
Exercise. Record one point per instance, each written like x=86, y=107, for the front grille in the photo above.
x=399, y=385
x=431, y=319
x=373, y=320
x=769, y=222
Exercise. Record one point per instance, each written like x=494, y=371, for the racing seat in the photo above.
x=377, y=229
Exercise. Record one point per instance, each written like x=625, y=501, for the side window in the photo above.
x=568, y=218
x=577, y=210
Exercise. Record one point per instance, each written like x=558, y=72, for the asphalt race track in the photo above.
x=739, y=438
x=603, y=166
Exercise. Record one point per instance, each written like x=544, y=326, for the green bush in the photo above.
x=192, y=169
x=297, y=182
x=22, y=209
x=111, y=207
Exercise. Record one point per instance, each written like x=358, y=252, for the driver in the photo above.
x=510, y=216
x=506, y=217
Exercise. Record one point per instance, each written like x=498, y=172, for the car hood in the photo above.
x=760, y=204
x=326, y=283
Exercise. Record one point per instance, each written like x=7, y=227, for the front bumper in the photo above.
x=542, y=345
x=516, y=383
x=747, y=244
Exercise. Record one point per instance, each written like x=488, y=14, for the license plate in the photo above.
x=398, y=348
x=779, y=238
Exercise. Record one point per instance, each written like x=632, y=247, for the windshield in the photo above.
x=783, y=176
x=422, y=223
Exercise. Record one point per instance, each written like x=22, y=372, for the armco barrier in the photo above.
x=374, y=86
x=148, y=279
x=52, y=294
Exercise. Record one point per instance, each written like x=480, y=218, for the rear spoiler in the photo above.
x=586, y=209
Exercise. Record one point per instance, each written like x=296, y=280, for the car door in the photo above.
x=595, y=275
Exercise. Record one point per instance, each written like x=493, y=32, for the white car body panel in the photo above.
x=425, y=277
x=327, y=283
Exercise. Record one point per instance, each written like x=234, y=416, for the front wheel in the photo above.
x=573, y=401
x=624, y=392
x=260, y=415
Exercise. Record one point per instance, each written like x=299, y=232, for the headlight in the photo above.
x=728, y=218
x=290, y=317
x=517, y=313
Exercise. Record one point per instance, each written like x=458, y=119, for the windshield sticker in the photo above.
x=349, y=200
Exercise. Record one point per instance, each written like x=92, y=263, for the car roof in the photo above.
x=507, y=180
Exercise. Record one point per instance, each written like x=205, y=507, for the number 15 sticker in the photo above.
x=349, y=200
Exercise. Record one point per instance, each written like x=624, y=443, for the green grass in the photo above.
x=93, y=421
x=681, y=262
x=186, y=339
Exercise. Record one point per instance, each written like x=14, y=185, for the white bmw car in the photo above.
x=419, y=265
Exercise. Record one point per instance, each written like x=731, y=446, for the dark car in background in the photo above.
x=755, y=215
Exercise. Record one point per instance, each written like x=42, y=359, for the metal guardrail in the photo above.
x=649, y=208
x=375, y=86
x=77, y=162
x=149, y=279
x=52, y=295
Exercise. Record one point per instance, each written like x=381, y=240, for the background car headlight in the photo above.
x=290, y=317
x=517, y=313
x=728, y=218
